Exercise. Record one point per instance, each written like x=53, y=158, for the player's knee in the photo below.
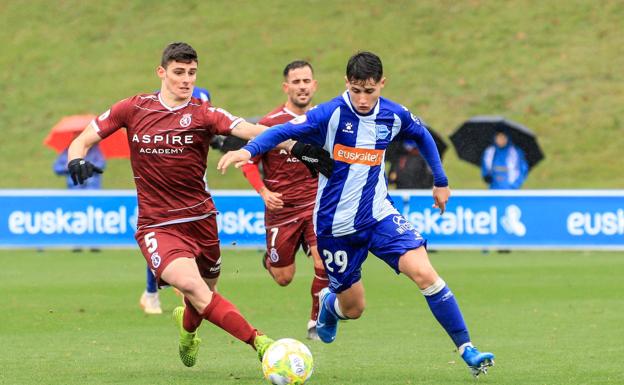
x=423, y=277
x=283, y=280
x=189, y=286
x=283, y=276
x=354, y=312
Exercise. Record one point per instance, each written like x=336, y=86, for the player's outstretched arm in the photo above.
x=238, y=158
x=248, y=131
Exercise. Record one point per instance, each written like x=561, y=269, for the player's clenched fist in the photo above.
x=238, y=157
x=80, y=170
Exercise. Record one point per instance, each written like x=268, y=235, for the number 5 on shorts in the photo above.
x=339, y=259
x=150, y=242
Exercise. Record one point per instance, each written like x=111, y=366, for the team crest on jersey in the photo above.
x=155, y=260
x=382, y=131
x=273, y=255
x=185, y=120
x=348, y=128
x=299, y=119
x=104, y=115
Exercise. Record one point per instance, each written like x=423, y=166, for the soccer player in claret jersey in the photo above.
x=169, y=134
x=289, y=192
x=354, y=214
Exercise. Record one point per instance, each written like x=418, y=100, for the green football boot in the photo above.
x=189, y=342
x=262, y=343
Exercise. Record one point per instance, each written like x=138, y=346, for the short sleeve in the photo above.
x=218, y=121
x=116, y=117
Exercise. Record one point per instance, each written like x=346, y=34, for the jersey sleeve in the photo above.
x=310, y=128
x=116, y=117
x=251, y=172
x=413, y=128
x=218, y=121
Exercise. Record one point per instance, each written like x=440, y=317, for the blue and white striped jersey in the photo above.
x=356, y=194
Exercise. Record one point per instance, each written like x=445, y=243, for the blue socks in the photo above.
x=445, y=309
x=151, y=282
x=330, y=304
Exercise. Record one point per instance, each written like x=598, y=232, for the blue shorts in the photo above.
x=388, y=240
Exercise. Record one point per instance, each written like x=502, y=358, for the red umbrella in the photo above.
x=63, y=132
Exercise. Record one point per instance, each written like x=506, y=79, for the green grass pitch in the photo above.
x=550, y=317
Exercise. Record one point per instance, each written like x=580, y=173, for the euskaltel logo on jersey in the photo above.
x=352, y=155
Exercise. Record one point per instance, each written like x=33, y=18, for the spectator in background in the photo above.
x=94, y=156
x=408, y=169
x=149, y=301
x=503, y=165
x=201, y=94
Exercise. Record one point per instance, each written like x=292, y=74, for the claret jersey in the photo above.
x=168, y=150
x=283, y=173
x=356, y=194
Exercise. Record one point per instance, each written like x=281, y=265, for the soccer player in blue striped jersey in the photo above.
x=353, y=212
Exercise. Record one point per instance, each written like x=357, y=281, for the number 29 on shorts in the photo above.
x=337, y=260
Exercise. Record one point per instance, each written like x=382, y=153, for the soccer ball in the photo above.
x=287, y=362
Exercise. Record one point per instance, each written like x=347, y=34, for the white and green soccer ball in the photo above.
x=287, y=362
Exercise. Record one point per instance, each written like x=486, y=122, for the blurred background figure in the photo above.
x=503, y=165
x=408, y=169
x=505, y=150
x=62, y=134
x=149, y=301
x=95, y=156
x=201, y=94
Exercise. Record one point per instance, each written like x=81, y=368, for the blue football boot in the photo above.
x=326, y=322
x=477, y=362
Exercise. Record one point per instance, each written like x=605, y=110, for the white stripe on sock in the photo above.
x=435, y=288
x=463, y=347
x=337, y=309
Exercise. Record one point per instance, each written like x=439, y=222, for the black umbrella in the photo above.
x=477, y=133
x=395, y=149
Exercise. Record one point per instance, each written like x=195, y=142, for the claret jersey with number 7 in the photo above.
x=356, y=195
x=168, y=150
